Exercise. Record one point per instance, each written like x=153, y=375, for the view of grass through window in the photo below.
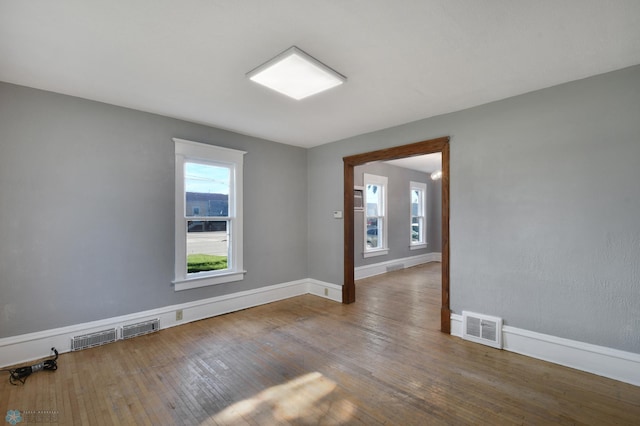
x=205, y=262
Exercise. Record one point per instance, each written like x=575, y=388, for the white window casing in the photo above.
x=195, y=152
x=375, y=210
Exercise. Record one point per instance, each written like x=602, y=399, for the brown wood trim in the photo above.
x=410, y=150
x=445, y=311
x=348, y=291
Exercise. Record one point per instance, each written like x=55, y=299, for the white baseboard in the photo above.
x=600, y=360
x=326, y=290
x=31, y=346
x=603, y=361
x=405, y=262
x=456, y=325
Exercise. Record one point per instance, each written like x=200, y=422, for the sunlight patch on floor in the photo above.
x=306, y=397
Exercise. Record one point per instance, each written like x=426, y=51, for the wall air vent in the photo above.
x=395, y=267
x=483, y=329
x=140, y=328
x=94, y=339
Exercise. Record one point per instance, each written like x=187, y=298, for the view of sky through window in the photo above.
x=207, y=179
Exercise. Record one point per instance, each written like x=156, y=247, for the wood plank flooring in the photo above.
x=307, y=360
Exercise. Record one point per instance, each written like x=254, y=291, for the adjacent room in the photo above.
x=342, y=212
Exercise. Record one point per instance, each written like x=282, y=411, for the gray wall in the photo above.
x=87, y=210
x=434, y=216
x=545, y=207
x=398, y=204
x=545, y=204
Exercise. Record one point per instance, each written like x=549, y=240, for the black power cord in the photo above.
x=20, y=374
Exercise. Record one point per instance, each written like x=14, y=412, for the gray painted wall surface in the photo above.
x=545, y=204
x=399, y=205
x=87, y=210
x=434, y=216
x=545, y=207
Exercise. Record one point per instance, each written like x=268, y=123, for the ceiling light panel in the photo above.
x=296, y=74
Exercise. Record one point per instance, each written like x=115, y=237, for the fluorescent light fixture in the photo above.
x=296, y=74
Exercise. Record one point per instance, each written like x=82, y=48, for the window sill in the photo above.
x=417, y=246
x=204, y=281
x=372, y=253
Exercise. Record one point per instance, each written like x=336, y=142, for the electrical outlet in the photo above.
x=326, y=291
x=179, y=315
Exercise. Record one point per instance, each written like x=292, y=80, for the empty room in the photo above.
x=301, y=212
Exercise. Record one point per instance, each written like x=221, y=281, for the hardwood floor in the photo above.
x=307, y=360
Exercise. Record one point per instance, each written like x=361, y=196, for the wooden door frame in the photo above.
x=419, y=148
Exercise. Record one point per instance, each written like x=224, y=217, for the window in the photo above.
x=208, y=216
x=418, y=216
x=375, y=199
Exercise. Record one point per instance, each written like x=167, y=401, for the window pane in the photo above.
x=415, y=209
x=206, y=190
x=416, y=204
x=373, y=232
x=416, y=223
x=374, y=203
x=207, y=245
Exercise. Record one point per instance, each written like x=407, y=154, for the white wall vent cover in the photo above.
x=94, y=339
x=146, y=327
x=482, y=329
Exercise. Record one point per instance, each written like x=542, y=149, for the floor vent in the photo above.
x=482, y=329
x=140, y=328
x=94, y=339
x=395, y=267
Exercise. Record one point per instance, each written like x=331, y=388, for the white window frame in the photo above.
x=382, y=181
x=422, y=187
x=189, y=151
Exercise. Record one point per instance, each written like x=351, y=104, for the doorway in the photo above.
x=419, y=148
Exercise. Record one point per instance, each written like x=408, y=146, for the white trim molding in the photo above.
x=600, y=360
x=187, y=152
x=326, y=290
x=382, y=247
x=405, y=262
x=28, y=347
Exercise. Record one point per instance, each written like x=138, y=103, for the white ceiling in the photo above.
x=422, y=163
x=404, y=60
